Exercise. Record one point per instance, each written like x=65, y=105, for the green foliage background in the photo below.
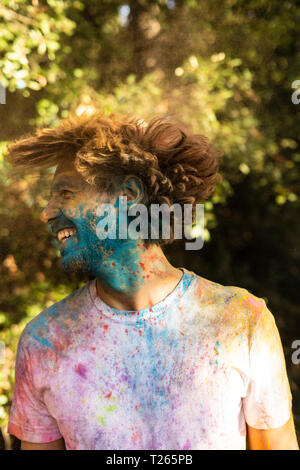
x=226, y=69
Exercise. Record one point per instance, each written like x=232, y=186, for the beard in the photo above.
x=81, y=261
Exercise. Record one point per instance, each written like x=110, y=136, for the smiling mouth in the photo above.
x=65, y=233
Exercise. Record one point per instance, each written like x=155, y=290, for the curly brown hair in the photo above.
x=175, y=165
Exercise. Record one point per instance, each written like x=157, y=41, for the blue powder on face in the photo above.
x=85, y=252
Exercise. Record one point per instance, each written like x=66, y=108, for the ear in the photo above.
x=133, y=188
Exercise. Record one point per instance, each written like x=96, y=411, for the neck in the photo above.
x=137, y=279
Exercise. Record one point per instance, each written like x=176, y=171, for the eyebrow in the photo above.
x=57, y=185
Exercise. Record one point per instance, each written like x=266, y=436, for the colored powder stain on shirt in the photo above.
x=216, y=349
x=44, y=341
x=101, y=420
x=151, y=381
x=81, y=370
x=111, y=408
x=187, y=445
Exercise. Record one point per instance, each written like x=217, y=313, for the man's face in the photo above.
x=71, y=212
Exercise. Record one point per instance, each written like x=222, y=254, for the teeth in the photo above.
x=65, y=233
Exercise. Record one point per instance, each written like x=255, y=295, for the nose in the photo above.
x=49, y=212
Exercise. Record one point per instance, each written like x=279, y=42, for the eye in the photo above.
x=66, y=193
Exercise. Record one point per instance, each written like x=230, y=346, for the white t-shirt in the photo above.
x=188, y=373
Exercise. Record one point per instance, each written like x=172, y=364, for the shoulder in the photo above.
x=232, y=305
x=57, y=320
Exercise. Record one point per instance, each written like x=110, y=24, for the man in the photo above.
x=146, y=355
